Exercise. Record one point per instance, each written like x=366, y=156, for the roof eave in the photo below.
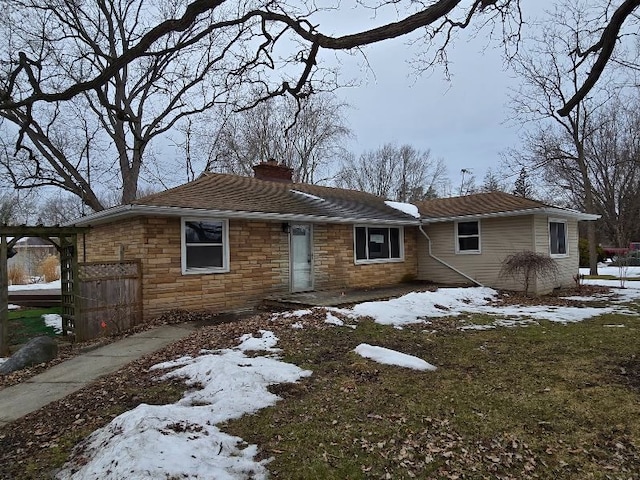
x=130, y=211
x=559, y=212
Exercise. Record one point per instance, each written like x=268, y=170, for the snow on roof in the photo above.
x=408, y=208
x=308, y=195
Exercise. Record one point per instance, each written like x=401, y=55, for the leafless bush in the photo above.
x=17, y=275
x=528, y=266
x=623, y=269
x=49, y=268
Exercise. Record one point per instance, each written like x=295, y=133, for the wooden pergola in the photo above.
x=65, y=239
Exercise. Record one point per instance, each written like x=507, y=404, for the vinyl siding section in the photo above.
x=499, y=237
x=568, y=265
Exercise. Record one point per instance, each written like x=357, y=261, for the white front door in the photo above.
x=301, y=257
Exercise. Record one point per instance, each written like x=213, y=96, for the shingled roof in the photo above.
x=489, y=204
x=249, y=197
x=235, y=196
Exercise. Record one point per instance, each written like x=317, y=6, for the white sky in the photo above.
x=463, y=121
x=182, y=440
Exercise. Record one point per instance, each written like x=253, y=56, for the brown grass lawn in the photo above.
x=548, y=401
x=545, y=401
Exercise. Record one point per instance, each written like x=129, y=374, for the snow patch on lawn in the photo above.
x=578, y=298
x=417, y=307
x=392, y=357
x=630, y=272
x=630, y=292
x=266, y=342
x=53, y=320
x=182, y=440
x=295, y=313
x=333, y=320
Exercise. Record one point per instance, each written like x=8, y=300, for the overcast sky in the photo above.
x=463, y=121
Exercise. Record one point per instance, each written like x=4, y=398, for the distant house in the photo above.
x=224, y=242
x=30, y=252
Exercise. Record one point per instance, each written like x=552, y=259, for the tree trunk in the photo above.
x=589, y=202
x=593, y=248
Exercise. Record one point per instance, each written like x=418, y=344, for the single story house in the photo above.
x=225, y=242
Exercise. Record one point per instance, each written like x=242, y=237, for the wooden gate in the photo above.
x=109, y=298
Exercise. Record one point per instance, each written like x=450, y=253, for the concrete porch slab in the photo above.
x=342, y=297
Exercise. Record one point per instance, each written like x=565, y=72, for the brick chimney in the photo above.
x=273, y=171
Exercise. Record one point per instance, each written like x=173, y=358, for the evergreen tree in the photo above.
x=492, y=182
x=522, y=186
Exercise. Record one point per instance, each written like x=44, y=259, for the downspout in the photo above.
x=445, y=263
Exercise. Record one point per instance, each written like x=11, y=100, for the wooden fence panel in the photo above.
x=110, y=298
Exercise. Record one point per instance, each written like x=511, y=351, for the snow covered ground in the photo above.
x=53, y=320
x=391, y=357
x=419, y=307
x=630, y=272
x=36, y=286
x=182, y=440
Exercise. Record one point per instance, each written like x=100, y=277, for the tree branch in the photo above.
x=605, y=45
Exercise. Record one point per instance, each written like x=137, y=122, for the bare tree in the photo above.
x=16, y=208
x=467, y=182
x=115, y=57
x=59, y=208
x=102, y=136
x=492, y=182
x=398, y=173
x=8, y=208
x=613, y=153
x=307, y=136
x=558, y=143
x=255, y=31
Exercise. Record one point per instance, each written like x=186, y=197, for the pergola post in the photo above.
x=4, y=298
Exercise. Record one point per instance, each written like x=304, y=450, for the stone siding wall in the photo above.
x=259, y=263
x=335, y=265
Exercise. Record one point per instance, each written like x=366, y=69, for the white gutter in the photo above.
x=445, y=263
x=558, y=212
x=128, y=211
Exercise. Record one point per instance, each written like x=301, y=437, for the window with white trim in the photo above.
x=557, y=237
x=378, y=244
x=468, y=237
x=205, y=245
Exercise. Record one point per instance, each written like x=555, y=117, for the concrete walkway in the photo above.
x=77, y=372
